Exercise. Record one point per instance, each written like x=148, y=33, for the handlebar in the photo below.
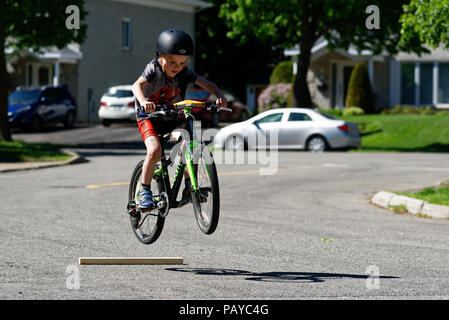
x=167, y=109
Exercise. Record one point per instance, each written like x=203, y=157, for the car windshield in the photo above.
x=119, y=93
x=328, y=116
x=23, y=97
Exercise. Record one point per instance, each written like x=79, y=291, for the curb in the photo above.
x=20, y=166
x=418, y=207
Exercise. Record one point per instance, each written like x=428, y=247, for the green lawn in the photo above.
x=407, y=133
x=22, y=151
x=438, y=195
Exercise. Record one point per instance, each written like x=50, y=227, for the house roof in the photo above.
x=438, y=54
x=68, y=54
x=177, y=5
x=320, y=48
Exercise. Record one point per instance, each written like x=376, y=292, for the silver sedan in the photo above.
x=290, y=128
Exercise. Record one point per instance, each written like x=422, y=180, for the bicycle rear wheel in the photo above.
x=149, y=225
x=206, y=201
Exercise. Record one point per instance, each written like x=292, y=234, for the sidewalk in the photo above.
x=392, y=201
x=18, y=166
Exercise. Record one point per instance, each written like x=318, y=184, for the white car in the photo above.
x=289, y=128
x=117, y=105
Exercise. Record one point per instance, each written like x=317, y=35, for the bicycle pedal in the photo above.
x=203, y=196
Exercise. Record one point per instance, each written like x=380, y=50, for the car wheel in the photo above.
x=37, y=124
x=316, y=144
x=69, y=119
x=106, y=123
x=235, y=142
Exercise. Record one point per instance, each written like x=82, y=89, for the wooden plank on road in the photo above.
x=130, y=260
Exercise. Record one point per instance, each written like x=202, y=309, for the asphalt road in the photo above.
x=306, y=232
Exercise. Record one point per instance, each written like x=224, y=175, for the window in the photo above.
x=126, y=34
x=23, y=97
x=299, y=117
x=43, y=74
x=120, y=93
x=275, y=117
x=443, y=83
x=426, y=83
x=408, y=83
x=50, y=95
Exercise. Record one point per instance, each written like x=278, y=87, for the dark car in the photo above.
x=33, y=108
x=239, y=110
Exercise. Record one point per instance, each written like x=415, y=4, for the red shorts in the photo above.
x=155, y=127
x=146, y=129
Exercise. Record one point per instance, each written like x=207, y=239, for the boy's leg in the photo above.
x=154, y=151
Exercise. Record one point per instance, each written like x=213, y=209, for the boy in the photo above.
x=163, y=81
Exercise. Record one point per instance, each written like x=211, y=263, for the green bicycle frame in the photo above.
x=163, y=172
x=189, y=153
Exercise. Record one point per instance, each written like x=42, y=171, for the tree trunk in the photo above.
x=301, y=87
x=5, y=134
x=310, y=18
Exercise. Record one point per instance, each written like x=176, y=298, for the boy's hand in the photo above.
x=221, y=102
x=148, y=106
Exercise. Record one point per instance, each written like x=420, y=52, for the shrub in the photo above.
x=274, y=96
x=406, y=109
x=282, y=73
x=359, y=89
x=353, y=111
x=366, y=128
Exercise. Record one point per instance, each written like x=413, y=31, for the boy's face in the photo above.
x=172, y=64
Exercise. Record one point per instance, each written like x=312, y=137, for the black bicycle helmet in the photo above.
x=173, y=41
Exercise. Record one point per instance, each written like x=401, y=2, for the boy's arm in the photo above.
x=212, y=88
x=138, y=93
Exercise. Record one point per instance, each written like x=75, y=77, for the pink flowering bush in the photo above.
x=274, y=96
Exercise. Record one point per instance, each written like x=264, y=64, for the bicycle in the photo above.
x=204, y=189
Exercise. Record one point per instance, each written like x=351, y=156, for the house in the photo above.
x=121, y=40
x=400, y=79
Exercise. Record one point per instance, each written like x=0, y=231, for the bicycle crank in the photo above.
x=163, y=204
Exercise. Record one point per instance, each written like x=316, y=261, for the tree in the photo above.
x=303, y=22
x=34, y=24
x=426, y=22
x=229, y=62
x=360, y=93
x=282, y=73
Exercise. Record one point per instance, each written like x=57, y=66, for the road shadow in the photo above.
x=431, y=148
x=276, y=276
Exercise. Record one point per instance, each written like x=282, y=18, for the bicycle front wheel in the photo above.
x=206, y=200
x=147, y=226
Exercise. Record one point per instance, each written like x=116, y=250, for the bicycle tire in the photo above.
x=153, y=235
x=208, y=224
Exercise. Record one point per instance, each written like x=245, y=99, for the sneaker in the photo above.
x=146, y=200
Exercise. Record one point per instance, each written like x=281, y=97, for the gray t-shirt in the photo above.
x=162, y=90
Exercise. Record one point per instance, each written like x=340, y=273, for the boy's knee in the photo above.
x=154, y=151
